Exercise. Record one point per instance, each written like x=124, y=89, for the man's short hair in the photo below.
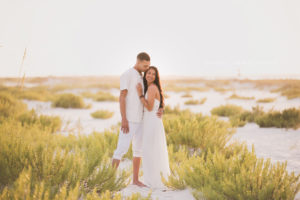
x=143, y=56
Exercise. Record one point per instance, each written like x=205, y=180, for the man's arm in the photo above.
x=122, y=101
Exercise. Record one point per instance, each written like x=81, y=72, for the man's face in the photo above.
x=143, y=65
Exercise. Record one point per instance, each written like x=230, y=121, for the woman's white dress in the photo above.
x=155, y=153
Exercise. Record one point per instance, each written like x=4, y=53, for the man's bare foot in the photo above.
x=139, y=183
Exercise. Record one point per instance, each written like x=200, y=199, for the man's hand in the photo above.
x=160, y=112
x=139, y=89
x=125, y=126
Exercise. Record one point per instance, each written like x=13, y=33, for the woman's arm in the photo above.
x=149, y=102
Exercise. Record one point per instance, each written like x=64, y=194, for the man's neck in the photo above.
x=135, y=67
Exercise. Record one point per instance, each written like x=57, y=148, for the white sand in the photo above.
x=156, y=193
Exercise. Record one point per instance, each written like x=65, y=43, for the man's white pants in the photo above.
x=135, y=135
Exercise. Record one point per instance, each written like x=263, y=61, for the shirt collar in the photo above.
x=137, y=72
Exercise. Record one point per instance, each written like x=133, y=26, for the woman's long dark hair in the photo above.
x=156, y=82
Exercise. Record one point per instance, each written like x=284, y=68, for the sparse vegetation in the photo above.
x=177, y=88
x=201, y=158
x=222, y=90
x=195, y=101
x=45, y=165
x=102, y=114
x=186, y=95
x=291, y=90
x=227, y=110
x=10, y=106
x=266, y=100
x=235, y=96
x=68, y=100
x=100, y=96
x=288, y=118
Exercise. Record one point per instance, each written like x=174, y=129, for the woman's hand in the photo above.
x=139, y=89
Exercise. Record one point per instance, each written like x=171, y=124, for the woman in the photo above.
x=155, y=153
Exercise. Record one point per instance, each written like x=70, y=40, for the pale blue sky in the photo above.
x=193, y=38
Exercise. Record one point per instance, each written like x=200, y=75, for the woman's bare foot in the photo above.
x=139, y=183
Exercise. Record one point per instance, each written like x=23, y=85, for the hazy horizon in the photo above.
x=184, y=38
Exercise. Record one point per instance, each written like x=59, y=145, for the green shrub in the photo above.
x=195, y=102
x=68, y=100
x=222, y=90
x=239, y=176
x=235, y=96
x=23, y=188
x=196, y=131
x=288, y=118
x=10, y=106
x=201, y=158
x=102, y=114
x=30, y=118
x=246, y=116
x=39, y=93
x=227, y=110
x=266, y=100
x=57, y=161
x=175, y=110
x=186, y=95
x=290, y=90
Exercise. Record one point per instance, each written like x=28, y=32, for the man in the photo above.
x=131, y=110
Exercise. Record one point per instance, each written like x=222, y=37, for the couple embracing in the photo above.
x=141, y=106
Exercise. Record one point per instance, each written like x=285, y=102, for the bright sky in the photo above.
x=198, y=38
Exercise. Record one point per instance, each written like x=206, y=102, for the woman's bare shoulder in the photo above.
x=153, y=88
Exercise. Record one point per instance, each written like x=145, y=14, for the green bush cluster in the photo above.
x=102, y=114
x=56, y=162
x=288, y=118
x=35, y=163
x=68, y=100
x=195, y=101
x=290, y=90
x=227, y=110
x=197, y=131
x=235, y=96
x=10, y=106
x=201, y=158
x=266, y=100
x=39, y=93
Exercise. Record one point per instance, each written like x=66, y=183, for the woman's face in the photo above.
x=150, y=76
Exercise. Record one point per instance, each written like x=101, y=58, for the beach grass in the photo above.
x=186, y=95
x=195, y=101
x=235, y=96
x=227, y=110
x=202, y=159
x=102, y=114
x=36, y=162
x=178, y=88
x=68, y=100
x=291, y=91
x=43, y=162
x=100, y=96
x=266, y=100
x=288, y=118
